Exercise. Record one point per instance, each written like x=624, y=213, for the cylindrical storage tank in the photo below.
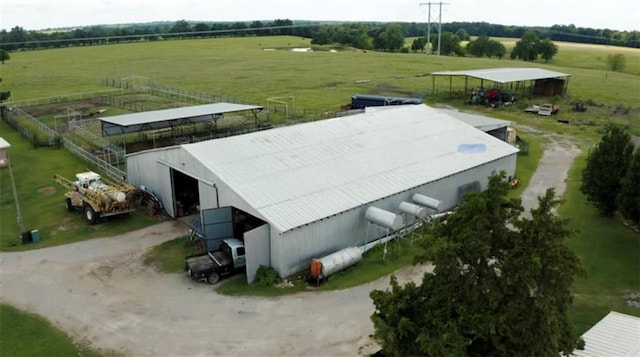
x=316, y=268
x=340, y=260
x=384, y=218
x=426, y=201
x=119, y=196
x=413, y=209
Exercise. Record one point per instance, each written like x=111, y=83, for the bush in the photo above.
x=617, y=62
x=267, y=276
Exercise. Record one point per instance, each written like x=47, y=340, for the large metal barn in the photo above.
x=300, y=192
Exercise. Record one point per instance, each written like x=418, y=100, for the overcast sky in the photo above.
x=42, y=14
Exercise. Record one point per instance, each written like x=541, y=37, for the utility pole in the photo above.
x=438, y=25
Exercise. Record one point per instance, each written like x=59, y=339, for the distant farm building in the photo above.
x=302, y=191
x=522, y=81
x=4, y=156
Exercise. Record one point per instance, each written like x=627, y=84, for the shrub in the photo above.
x=617, y=62
x=267, y=276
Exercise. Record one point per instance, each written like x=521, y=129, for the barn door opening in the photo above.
x=186, y=197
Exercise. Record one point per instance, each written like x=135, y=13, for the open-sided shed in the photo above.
x=172, y=118
x=541, y=81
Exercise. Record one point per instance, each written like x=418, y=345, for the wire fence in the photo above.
x=63, y=98
x=41, y=135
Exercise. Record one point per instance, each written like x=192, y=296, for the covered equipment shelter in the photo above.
x=545, y=82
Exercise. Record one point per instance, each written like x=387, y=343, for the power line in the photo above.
x=439, y=25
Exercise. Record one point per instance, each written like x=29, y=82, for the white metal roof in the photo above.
x=615, y=335
x=4, y=144
x=302, y=173
x=158, y=119
x=505, y=74
x=477, y=121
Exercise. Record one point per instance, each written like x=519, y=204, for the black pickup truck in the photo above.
x=211, y=266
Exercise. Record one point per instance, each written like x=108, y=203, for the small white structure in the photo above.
x=615, y=335
x=4, y=157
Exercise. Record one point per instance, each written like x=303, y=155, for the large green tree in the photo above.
x=629, y=195
x=500, y=286
x=419, y=44
x=607, y=164
x=547, y=49
x=527, y=48
x=4, y=56
x=449, y=44
x=390, y=38
x=484, y=46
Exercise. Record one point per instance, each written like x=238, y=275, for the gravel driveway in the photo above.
x=99, y=291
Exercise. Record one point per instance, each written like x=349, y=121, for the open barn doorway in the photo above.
x=186, y=196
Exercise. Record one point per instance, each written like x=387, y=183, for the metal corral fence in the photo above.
x=143, y=85
x=55, y=139
x=63, y=98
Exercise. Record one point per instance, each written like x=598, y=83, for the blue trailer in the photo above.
x=361, y=101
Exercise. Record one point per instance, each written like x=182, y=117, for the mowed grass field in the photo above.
x=240, y=68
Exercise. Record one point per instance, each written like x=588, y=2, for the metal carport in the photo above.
x=167, y=118
x=501, y=76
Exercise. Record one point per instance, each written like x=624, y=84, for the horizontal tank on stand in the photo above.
x=428, y=202
x=417, y=211
x=384, y=218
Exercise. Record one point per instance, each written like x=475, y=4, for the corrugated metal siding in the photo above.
x=615, y=335
x=293, y=250
x=144, y=169
x=299, y=174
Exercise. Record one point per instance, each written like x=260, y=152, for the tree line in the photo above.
x=359, y=35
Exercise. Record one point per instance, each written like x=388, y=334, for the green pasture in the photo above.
x=241, y=69
x=26, y=334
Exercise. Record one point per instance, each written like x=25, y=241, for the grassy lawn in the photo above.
x=26, y=334
x=610, y=255
x=168, y=257
x=41, y=200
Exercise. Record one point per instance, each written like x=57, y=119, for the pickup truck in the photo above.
x=212, y=265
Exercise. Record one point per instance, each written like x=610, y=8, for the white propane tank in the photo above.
x=429, y=202
x=119, y=196
x=413, y=209
x=340, y=260
x=384, y=218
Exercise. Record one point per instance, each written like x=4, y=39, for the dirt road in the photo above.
x=559, y=154
x=99, y=291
